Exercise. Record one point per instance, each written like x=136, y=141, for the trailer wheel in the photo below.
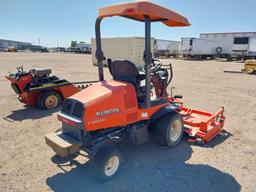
x=48, y=100
x=229, y=58
x=106, y=163
x=169, y=129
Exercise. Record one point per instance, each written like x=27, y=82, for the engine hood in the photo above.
x=100, y=91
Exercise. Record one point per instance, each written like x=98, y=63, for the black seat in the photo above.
x=124, y=70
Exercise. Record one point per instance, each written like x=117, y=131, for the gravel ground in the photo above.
x=225, y=164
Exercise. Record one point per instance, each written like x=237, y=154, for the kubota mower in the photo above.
x=124, y=108
x=38, y=88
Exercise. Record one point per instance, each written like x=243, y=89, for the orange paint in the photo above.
x=110, y=104
x=137, y=10
x=30, y=97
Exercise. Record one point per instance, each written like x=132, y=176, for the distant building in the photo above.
x=4, y=44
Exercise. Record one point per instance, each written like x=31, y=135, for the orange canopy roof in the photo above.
x=136, y=10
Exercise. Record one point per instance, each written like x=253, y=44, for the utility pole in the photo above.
x=57, y=43
x=39, y=41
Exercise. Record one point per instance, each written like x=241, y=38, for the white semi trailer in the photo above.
x=198, y=48
x=167, y=48
x=84, y=47
x=129, y=48
x=235, y=44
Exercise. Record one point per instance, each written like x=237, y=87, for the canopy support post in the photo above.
x=99, y=53
x=148, y=60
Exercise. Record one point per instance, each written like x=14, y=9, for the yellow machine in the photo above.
x=11, y=49
x=249, y=67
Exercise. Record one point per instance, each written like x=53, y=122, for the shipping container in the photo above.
x=129, y=48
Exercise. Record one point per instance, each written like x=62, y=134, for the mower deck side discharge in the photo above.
x=202, y=125
x=62, y=144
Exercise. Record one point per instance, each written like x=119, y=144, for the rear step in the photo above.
x=62, y=144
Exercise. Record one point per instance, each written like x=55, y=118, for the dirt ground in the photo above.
x=225, y=164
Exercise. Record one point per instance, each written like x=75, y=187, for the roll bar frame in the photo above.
x=147, y=55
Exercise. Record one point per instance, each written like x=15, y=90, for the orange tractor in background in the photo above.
x=38, y=88
x=124, y=108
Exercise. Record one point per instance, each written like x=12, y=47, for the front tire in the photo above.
x=169, y=129
x=107, y=163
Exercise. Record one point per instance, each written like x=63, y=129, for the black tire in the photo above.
x=44, y=96
x=162, y=129
x=100, y=162
x=229, y=58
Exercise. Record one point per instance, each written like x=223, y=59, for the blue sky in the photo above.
x=66, y=20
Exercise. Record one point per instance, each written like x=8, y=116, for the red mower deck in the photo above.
x=202, y=126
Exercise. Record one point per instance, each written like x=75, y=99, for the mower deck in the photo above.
x=202, y=126
x=62, y=144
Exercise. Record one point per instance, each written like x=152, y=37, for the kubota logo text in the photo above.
x=107, y=112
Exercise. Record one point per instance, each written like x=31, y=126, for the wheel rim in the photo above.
x=111, y=165
x=175, y=130
x=51, y=102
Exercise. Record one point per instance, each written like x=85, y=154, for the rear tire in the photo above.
x=106, y=163
x=48, y=100
x=169, y=129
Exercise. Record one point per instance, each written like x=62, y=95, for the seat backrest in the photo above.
x=124, y=70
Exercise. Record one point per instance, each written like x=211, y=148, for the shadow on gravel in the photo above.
x=147, y=168
x=28, y=113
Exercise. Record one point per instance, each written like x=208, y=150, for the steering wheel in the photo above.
x=155, y=66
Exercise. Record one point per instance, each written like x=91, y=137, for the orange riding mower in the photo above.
x=123, y=108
